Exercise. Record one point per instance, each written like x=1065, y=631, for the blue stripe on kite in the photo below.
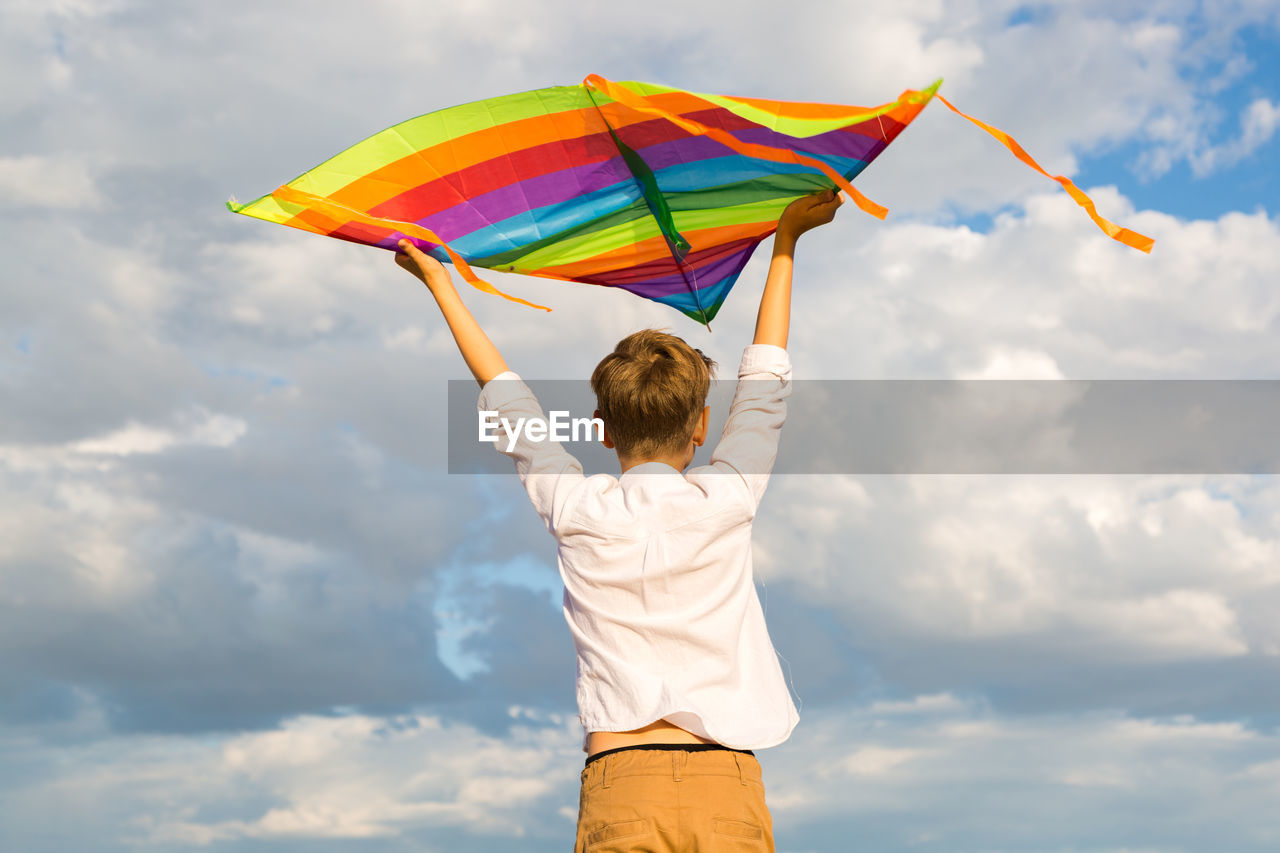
x=540, y=223
x=710, y=174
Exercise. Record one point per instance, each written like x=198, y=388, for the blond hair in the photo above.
x=650, y=391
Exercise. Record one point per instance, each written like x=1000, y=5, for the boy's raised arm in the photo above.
x=774, y=319
x=477, y=350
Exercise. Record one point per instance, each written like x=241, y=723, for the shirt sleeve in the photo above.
x=548, y=472
x=749, y=444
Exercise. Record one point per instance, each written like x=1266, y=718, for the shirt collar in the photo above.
x=651, y=468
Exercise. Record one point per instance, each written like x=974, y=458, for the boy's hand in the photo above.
x=430, y=271
x=801, y=215
x=481, y=356
x=809, y=212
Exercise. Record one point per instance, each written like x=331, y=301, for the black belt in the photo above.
x=670, y=747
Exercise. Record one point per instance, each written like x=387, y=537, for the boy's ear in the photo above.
x=700, y=430
x=604, y=433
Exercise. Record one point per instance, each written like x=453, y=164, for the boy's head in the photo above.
x=650, y=393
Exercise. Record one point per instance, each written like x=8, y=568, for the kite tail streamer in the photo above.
x=409, y=229
x=1130, y=238
x=625, y=96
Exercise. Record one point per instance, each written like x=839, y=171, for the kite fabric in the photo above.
x=658, y=191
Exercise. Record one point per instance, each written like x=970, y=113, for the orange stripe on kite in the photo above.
x=643, y=103
x=1141, y=242
x=481, y=146
x=340, y=212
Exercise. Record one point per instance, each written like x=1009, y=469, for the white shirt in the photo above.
x=658, y=587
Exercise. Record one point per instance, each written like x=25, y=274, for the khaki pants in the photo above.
x=657, y=801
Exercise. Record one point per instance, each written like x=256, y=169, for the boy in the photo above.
x=677, y=678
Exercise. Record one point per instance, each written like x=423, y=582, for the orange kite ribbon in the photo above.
x=1141, y=242
x=643, y=103
x=339, y=212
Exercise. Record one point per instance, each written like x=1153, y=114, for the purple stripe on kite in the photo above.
x=687, y=151
x=485, y=210
x=849, y=141
x=836, y=143
x=705, y=276
x=649, y=132
x=709, y=300
x=691, y=149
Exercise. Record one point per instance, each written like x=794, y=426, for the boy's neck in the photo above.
x=679, y=461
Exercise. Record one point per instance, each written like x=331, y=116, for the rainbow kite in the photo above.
x=658, y=191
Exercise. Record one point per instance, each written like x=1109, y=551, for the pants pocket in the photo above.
x=738, y=829
x=603, y=839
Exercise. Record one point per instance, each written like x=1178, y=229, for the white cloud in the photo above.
x=318, y=778
x=72, y=515
x=1179, y=623
x=1043, y=295
x=49, y=182
x=964, y=774
x=1015, y=363
x=937, y=767
x=301, y=287
x=878, y=760
x=202, y=428
x=1258, y=124
x=1114, y=571
x=924, y=704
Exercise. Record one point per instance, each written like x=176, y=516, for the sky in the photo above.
x=243, y=607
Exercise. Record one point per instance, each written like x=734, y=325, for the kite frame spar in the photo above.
x=348, y=195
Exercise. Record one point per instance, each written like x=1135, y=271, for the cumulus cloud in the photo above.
x=342, y=777
x=1042, y=295
x=922, y=768
x=925, y=777
x=1115, y=571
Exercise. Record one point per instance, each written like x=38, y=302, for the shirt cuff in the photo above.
x=501, y=390
x=765, y=358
